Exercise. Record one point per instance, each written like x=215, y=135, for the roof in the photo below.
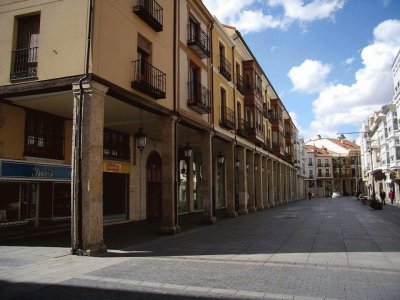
x=346, y=144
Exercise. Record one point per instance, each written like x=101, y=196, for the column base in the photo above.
x=260, y=207
x=252, y=209
x=208, y=220
x=266, y=206
x=231, y=214
x=95, y=250
x=169, y=230
x=243, y=212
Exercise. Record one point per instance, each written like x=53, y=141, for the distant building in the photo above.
x=332, y=165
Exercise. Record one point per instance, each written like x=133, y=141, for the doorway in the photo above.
x=154, y=186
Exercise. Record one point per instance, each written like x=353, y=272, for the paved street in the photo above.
x=318, y=249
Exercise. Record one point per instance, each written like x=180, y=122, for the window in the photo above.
x=310, y=161
x=115, y=144
x=143, y=58
x=24, y=57
x=44, y=135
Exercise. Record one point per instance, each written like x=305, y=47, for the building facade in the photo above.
x=380, y=148
x=151, y=109
x=333, y=165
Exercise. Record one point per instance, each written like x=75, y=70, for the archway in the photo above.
x=153, y=186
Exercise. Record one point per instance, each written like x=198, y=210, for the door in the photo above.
x=154, y=186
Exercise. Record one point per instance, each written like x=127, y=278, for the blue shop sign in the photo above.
x=35, y=171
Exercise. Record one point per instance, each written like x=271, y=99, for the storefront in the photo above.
x=34, y=193
x=115, y=190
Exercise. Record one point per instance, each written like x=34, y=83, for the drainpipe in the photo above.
x=77, y=243
x=176, y=112
x=212, y=120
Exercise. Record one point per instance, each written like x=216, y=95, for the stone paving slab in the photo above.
x=320, y=249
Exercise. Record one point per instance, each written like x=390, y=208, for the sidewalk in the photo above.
x=319, y=249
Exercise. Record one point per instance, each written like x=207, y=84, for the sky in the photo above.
x=329, y=60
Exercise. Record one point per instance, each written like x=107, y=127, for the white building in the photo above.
x=333, y=165
x=380, y=148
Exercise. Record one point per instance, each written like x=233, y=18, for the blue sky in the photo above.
x=329, y=60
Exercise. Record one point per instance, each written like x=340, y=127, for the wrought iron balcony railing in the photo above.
x=228, y=118
x=225, y=67
x=150, y=12
x=199, y=97
x=24, y=63
x=148, y=79
x=244, y=127
x=198, y=40
x=240, y=83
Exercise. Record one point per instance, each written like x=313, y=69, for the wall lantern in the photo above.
x=247, y=166
x=187, y=151
x=256, y=168
x=220, y=158
x=141, y=138
x=237, y=163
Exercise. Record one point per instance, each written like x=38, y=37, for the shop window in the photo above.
x=44, y=135
x=116, y=144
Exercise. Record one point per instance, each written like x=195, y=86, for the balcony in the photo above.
x=198, y=98
x=198, y=40
x=24, y=63
x=240, y=83
x=244, y=128
x=225, y=67
x=228, y=118
x=150, y=12
x=148, y=79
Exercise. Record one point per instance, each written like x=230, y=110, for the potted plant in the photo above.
x=375, y=204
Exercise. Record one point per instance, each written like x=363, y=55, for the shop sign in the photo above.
x=34, y=170
x=113, y=167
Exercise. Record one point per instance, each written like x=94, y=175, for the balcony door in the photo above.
x=194, y=80
x=144, y=58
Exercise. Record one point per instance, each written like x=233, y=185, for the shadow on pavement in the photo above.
x=55, y=291
x=322, y=225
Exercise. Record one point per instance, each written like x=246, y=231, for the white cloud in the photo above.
x=311, y=11
x=340, y=104
x=309, y=77
x=349, y=61
x=249, y=16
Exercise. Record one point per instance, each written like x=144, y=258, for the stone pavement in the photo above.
x=318, y=249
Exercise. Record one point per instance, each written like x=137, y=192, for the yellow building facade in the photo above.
x=144, y=107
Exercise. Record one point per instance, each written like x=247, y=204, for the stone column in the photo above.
x=258, y=181
x=251, y=182
x=229, y=152
x=207, y=166
x=272, y=183
x=242, y=184
x=280, y=184
x=169, y=213
x=265, y=183
x=91, y=169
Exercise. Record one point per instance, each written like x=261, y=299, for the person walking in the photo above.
x=391, y=196
x=382, y=194
x=309, y=195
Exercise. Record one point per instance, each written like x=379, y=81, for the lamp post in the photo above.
x=255, y=185
x=372, y=173
x=237, y=165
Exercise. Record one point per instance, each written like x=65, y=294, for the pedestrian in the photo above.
x=391, y=196
x=382, y=194
x=309, y=195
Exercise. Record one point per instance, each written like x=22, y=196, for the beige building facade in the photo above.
x=152, y=109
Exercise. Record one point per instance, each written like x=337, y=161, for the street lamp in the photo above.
x=372, y=172
x=237, y=165
x=220, y=158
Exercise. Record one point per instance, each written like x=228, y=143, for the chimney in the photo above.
x=319, y=136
